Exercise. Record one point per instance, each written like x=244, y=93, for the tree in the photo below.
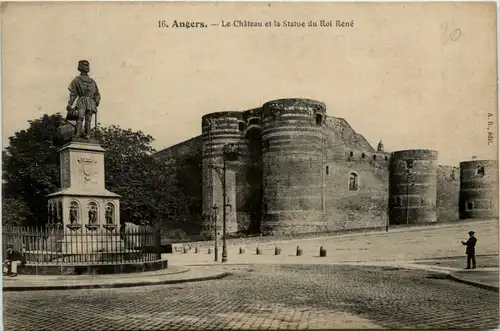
x=31, y=169
x=15, y=212
x=147, y=187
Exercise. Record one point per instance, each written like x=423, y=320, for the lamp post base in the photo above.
x=224, y=254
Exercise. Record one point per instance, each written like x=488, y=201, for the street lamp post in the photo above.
x=224, y=221
x=216, y=248
x=230, y=151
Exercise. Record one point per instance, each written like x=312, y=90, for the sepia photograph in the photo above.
x=249, y=165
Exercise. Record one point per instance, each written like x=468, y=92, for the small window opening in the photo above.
x=353, y=181
x=374, y=157
x=480, y=171
x=470, y=206
x=385, y=157
x=363, y=155
x=327, y=170
x=351, y=154
x=319, y=119
x=241, y=126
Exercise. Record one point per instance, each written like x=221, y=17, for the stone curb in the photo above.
x=473, y=283
x=114, y=285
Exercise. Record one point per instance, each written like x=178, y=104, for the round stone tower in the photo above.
x=413, y=186
x=478, y=189
x=292, y=152
x=218, y=130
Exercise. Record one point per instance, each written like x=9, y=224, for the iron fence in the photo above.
x=83, y=245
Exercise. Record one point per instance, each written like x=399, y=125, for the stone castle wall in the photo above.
x=303, y=171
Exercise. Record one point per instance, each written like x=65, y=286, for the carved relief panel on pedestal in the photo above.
x=88, y=167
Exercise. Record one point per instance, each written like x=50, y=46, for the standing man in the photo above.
x=85, y=92
x=470, y=250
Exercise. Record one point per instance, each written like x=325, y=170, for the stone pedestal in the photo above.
x=88, y=213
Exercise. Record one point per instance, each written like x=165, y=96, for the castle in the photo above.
x=299, y=171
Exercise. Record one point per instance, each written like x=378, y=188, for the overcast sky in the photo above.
x=396, y=76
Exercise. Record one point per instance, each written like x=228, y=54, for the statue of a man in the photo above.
x=84, y=91
x=92, y=216
x=72, y=216
x=109, y=215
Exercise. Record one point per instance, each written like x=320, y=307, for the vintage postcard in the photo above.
x=217, y=165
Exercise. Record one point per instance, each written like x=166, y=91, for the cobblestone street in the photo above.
x=265, y=297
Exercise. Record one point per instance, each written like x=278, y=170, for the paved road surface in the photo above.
x=392, y=246
x=265, y=297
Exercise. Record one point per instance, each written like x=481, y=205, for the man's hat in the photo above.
x=471, y=232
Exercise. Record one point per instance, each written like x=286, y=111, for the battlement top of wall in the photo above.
x=476, y=163
x=222, y=114
x=423, y=154
x=295, y=104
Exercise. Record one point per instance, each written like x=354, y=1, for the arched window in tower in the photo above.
x=110, y=213
x=363, y=155
x=353, y=181
x=92, y=211
x=327, y=170
x=74, y=212
x=374, y=157
x=351, y=154
x=319, y=119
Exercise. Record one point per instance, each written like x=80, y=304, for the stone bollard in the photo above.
x=277, y=251
x=299, y=251
x=258, y=251
x=322, y=252
x=209, y=250
x=242, y=250
x=196, y=250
